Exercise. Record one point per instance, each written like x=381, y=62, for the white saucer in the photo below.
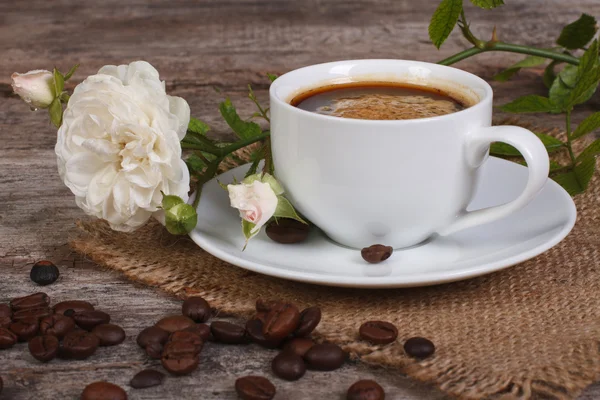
x=477, y=251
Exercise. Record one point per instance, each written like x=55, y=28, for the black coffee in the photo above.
x=378, y=101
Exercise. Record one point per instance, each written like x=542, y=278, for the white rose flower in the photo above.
x=119, y=145
x=257, y=202
x=35, y=87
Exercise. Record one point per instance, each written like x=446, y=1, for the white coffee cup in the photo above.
x=392, y=182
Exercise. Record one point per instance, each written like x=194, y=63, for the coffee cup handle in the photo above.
x=538, y=164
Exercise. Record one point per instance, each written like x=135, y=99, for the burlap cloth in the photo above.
x=530, y=331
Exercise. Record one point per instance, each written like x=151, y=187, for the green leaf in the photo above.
x=272, y=77
x=549, y=74
x=443, y=21
x=59, y=82
x=286, y=210
x=529, y=104
x=195, y=164
x=589, y=59
x=551, y=143
x=56, y=112
x=197, y=126
x=202, y=143
x=569, y=182
x=247, y=228
x=181, y=219
x=243, y=129
x=71, y=72
x=554, y=166
x=563, y=85
x=487, y=4
x=585, y=88
x=530, y=61
x=585, y=171
x=590, y=152
x=588, y=125
x=579, y=33
x=170, y=201
x=64, y=97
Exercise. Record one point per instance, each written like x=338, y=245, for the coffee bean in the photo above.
x=27, y=313
x=43, y=348
x=378, y=332
x=196, y=308
x=288, y=366
x=281, y=321
x=287, y=231
x=376, y=253
x=7, y=338
x=154, y=350
x=175, y=323
x=180, y=358
x=35, y=300
x=5, y=322
x=419, y=347
x=44, y=273
x=69, y=313
x=201, y=330
x=254, y=332
x=79, y=345
x=309, y=319
x=5, y=311
x=254, y=388
x=57, y=325
x=266, y=305
x=75, y=305
x=152, y=335
x=226, y=332
x=25, y=329
x=299, y=346
x=325, y=357
x=109, y=334
x=147, y=378
x=90, y=318
x=188, y=337
x=103, y=391
x=365, y=390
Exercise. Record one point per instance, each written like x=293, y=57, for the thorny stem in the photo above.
x=223, y=151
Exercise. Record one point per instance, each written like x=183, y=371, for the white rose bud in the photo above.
x=256, y=202
x=36, y=87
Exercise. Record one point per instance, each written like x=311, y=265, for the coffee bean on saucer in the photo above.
x=7, y=338
x=419, y=347
x=325, y=357
x=287, y=231
x=299, y=346
x=27, y=313
x=25, y=329
x=103, y=391
x=152, y=335
x=309, y=319
x=154, y=350
x=109, y=334
x=365, y=389
x=79, y=345
x=175, y=323
x=147, y=378
x=378, y=332
x=254, y=388
x=226, y=332
x=201, y=330
x=44, y=273
x=90, y=318
x=180, y=358
x=74, y=305
x=289, y=366
x=254, y=332
x=43, y=348
x=376, y=253
x=197, y=309
x=36, y=300
x=281, y=321
x=57, y=325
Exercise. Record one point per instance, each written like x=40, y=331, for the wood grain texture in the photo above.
x=197, y=46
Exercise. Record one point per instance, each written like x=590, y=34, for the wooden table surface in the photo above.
x=197, y=46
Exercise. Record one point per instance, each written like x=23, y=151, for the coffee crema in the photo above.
x=378, y=101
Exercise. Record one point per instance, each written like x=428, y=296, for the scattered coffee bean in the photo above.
x=325, y=357
x=226, y=332
x=299, y=346
x=147, y=378
x=288, y=366
x=69, y=313
x=25, y=329
x=154, y=350
x=197, y=309
x=44, y=348
x=376, y=253
x=152, y=335
x=57, y=325
x=282, y=320
x=201, y=330
x=44, y=273
x=189, y=337
x=5, y=311
x=180, y=358
x=7, y=338
x=5, y=322
x=378, y=332
x=109, y=334
x=79, y=345
x=287, y=231
x=103, y=391
x=254, y=332
x=90, y=318
x=175, y=323
x=266, y=305
x=27, y=313
x=309, y=319
x=254, y=388
x=365, y=389
x=36, y=300
x=419, y=347
x=75, y=305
